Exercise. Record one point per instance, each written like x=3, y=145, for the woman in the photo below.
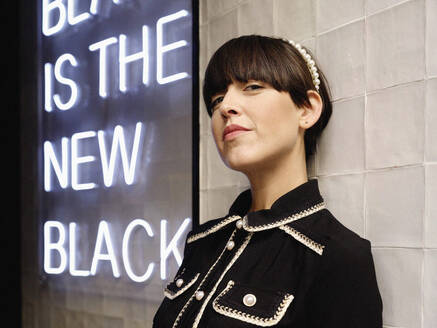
x=279, y=258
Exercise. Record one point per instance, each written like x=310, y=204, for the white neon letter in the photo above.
x=118, y=142
x=61, y=79
x=50, y=160
x=76, y=160
x=160, y=49
x=126, y=261
x=73, y=20
x=94, y=3
x=103, y=235
x=125, y=59
x=101, y=45
x=48, y=87
x=47, y=15
x=72, y=239
x=50, y=246
x=172, y=246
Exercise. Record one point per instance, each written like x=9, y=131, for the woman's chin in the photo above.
x=240, y=164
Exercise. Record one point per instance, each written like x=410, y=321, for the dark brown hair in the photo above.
x=274, y=61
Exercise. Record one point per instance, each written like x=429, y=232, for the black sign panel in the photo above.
x=115, y=143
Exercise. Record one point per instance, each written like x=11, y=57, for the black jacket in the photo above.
x=293, y=265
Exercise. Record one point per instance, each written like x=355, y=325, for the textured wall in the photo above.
x=377, y=159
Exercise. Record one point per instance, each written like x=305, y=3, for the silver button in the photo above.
x=199, y=295
x=249, y=300
x=230, y=245
x=239, y=224
x=179, y=282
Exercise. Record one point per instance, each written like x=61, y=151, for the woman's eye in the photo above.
x=215, y=102
x=253, y=86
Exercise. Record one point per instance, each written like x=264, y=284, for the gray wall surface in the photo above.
x=377, y=158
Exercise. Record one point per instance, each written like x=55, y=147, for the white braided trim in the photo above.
x=310, y=63
x=178, y=318
x=294, y=217
x=300, y=237
x=171, y=295
x=181, y=312
x=218, y=226
x=250, y=318
x=235, y=258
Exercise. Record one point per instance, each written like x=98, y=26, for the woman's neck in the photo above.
x=268, y=184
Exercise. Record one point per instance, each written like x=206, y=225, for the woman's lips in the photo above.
x=232, y=131
x=233, y=134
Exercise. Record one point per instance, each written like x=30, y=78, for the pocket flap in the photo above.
x=256, y=306
x=180, y=284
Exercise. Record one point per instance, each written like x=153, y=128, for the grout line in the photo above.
x=316, y=21
x=345, y=98
x=425, y=130
x=375, y=170
x=401, y=84
x=362, y=17
x=341, y=26
x=422, y=299
x=376, y=91
x=349, y=98
x=403, y=247
x=365, y=124
x=425, y=22
x=275, y=23
x=388, y=8
x=426, y=203
x=382, y=169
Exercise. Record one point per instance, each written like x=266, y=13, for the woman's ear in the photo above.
x=309, y=115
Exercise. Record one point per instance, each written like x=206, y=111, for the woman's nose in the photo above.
x=229, y=110
x=230, y=104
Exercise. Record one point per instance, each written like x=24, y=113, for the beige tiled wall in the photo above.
x=377, y=159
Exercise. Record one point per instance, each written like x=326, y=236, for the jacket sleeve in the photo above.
x=346, y=293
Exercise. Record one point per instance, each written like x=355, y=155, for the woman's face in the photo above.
x=253, y=124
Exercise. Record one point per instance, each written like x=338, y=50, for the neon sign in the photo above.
x=123, y=60
x=108, y=97
x=60, y=165
x=104, y=240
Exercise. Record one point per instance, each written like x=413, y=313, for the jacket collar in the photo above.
x=299, y=202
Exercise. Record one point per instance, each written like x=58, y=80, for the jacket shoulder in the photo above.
x=339, y=235
x=345, y=249
x=324, y=229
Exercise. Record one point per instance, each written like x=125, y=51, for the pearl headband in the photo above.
x=310, y=63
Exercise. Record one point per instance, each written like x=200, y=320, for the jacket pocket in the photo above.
x=252, y=305
x=180, y=284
